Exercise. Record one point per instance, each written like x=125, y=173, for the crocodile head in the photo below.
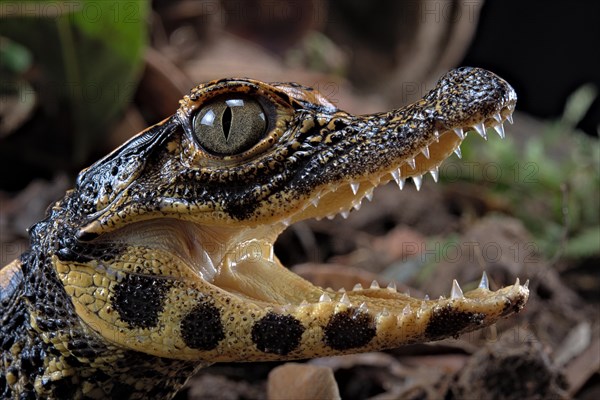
x=171, y=249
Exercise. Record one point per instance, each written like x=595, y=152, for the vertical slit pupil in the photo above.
x=226, y=122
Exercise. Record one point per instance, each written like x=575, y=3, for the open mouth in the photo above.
x=248, y=267
x=240, y=262
x=214, y=266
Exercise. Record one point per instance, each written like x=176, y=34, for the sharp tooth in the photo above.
x=401, y=183
x=509, y=118
x=418, y=180
x=358, y=286
x=425, y=152
x=526, y=285
x=369, y=195
x=384, y=313
x=330, y=217
x=397, y=178
x=363, y=308
x=392, y=286
x=435, y=173
x=324, y=298
x=374, y=285
x=354, y=186
x=441, y=298
x=458, y=152
x=460, y=133
x=484, y=283
x=480, y=128
x=436, y=133
x=345, y=214
x=497, y=117
x=304, y=303
x=412, y=163
x=517, y=282
x=500, y=129
x=406, y=310
x=456, y=292
x=426, y=297
x=345, y=299
x=492, y=333
x=356, y=205
x=271, y=255
x=286, y=222
x=315, y=201
x=342, y=290
x=421, y=309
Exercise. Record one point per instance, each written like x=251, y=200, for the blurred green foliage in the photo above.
x=549, y=178
x=86, y=60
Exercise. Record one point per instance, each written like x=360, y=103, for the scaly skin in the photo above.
x=160, y=260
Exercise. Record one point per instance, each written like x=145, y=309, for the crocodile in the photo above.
x=160, y=260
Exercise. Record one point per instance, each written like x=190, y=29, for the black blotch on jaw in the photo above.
x=446, y=321
x=140, y=299
x=278, y=334
x=349, y=329
x=202, y=328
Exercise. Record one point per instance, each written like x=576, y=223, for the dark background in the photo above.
x=545, y=49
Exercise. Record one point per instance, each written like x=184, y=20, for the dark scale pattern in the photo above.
x=278, y=334
x=121, y=390
x=81, y=252
x=4, y=389
x=72, y=246
x=349, y=329
x=202, y=328
x=81, y=347
x=446, y=321
x=140, y=299
x=110, y=176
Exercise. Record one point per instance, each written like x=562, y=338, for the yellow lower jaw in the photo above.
x=259, y=310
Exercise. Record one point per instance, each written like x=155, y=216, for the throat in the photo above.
x=207, y=250
x=266, y=283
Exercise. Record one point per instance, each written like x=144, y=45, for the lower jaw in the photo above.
x=269, y=285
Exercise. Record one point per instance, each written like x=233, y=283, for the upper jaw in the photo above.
x=408, y=143
x=325, y=163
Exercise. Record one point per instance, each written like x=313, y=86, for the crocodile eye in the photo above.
x=230, y=125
